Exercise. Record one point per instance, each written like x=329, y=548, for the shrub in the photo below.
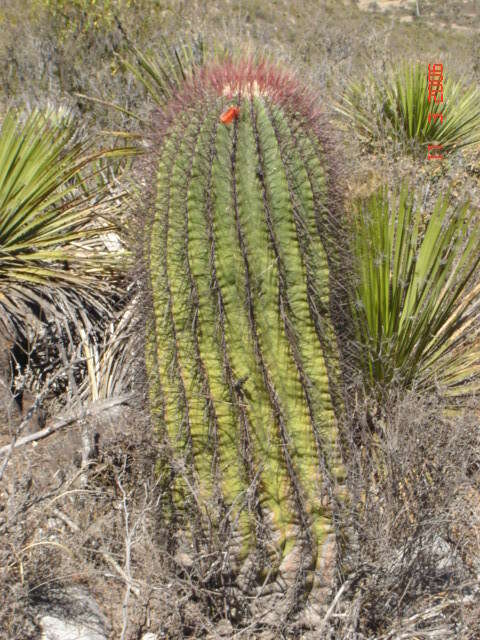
x=414, y=553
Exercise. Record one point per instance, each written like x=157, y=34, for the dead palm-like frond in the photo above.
x=109, y=365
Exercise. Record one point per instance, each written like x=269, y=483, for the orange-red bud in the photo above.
x=230, y=114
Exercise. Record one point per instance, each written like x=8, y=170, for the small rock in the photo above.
x=58, y=629
x=70, y=613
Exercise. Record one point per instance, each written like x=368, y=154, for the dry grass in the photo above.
x=414, y=548
x=410, y=556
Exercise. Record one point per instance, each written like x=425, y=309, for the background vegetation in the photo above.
x=79, y=506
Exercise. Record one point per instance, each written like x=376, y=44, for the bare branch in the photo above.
x=59, y=423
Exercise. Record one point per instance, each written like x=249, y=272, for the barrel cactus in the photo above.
x=242, y=349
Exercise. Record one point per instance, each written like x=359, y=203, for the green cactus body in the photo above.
x=241, y=351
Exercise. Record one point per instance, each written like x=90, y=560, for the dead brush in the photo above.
x=414, y=553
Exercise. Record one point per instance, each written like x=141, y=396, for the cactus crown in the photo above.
x=242, y=355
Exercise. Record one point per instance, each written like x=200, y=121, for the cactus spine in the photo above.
x=242, y=355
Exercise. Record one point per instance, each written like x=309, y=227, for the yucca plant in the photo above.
x=395, y=106
x=53, y=222
x=243, y=256
x=416, y=303
x=163, y=72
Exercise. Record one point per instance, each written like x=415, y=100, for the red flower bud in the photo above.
x=230, y=114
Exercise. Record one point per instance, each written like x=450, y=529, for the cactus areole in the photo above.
x=242, y=356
